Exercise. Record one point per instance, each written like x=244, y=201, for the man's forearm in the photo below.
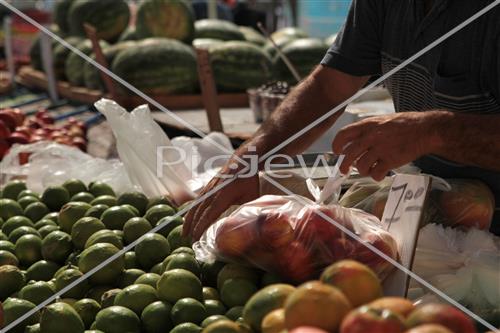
x=468, y=139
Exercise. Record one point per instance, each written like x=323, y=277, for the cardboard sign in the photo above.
x=402, y=218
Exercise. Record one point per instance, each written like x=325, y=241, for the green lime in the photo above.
x=32, y=329
x=236, y=292
x=36, y=292
x=232, y=271
x=136, y=297
x=210, y=293
x=108, y=298
x=152, y=249
x=83, y=197
x=97, y=292
x=26, y=201
x=64, y=268
x=223, y=326
x=56, y=246
x=117, y=319
x=100, y=188
x=13, y=189
x=156, y=213
x=27, y=193
x=54, y=216
x=74, y=186
x=104, y=236
x=136, y=199
x=60, y=318
x=16, y=222
x=43, y=223
x=8, y=258
x=161, y=200
x=176, y=240
x=184, y=249
x=96, y=210
x=107, y=200
x=186, y=328
x=54, y=197
x=44, y=231
x=12, y=280
x=28, y=249
x=150, y=279
x=214, y=307
x=87, y=309
x=69, y=276
x=5, y=245
x=132, y=209
x=130, y=260
x=179, y=283
x=42, y=270
x=169, y=223
x=3, y=236
x=188, y=310
x=70, y=213
x=184, y=261
x=234, y=313
x=14, y=308
x=36, y=211
x=157, y=269
x=210, y=271
x=115, y=217
x=212, y=319
x=83, y=229
x=97, y=254
x=155, y=317
x=128, y=277
x=9, y=208
x=21, y=231
x=135, y=228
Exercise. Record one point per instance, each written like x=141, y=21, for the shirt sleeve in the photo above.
x=356, y=49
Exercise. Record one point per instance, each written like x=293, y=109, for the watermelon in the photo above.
x=92, y=76
x=109, y=17
x=129, y=34
x=281, y=41
x=60, y=53
x=304, y=54
x=290, y=32
x=35, y=49
x=206, y=43
x=158, y=66
x=253, y=36
x=75, y=64
x=238, y=66
x=61, y=11
x=165, y=18
x=217, y=29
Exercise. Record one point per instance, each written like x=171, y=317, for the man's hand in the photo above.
x=378, y=144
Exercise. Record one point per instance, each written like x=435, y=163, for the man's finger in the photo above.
x=210, y=214
x=367, y=161
x=352, y=153
x=344, y=137
x=380, y=170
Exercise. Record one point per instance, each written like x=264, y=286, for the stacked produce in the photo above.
x=50, y=240
x=15, y=128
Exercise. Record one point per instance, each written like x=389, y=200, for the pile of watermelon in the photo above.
x=156, y=54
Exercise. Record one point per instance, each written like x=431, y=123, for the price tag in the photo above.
x=402, y=218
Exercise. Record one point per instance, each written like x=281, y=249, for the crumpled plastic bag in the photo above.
x=50, y=163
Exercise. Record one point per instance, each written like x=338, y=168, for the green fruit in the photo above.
x=179, y=283
x=42, y=270
x=114, y=218
x=28, y=249
x=73, y=258
x=22, y=231
x=13, y=189
x=26, y=201
x=135, y=199
x=87, y=309
x=236, y=292
x=44, y=231
x=151, y=250
x=100, y=188
x=186, y=328
x=168, y=223
x=3, y=236
x=157, y=269
x=135, y=228
x=223, y=326
x=107, y=200
x=16, y=222
x=210, y=293
x=36, y=292
x=212, y=319
x=176, y=240
x=150, y=279
x=70, y=213
x=67, y=277
x=68, y=301
x=188, y=310
x=44, y=222
x=117, y=319
x=83, y=229
x=108, y=298
x=97, y=292
x=217, y=29
x=129, y=277
x=97, y=254
x=8, y=258
x=74, y=186
x=54, y=197
x=36, y=211
x=96, y=211
x=161, y=200
x=130, y=260
x=56, y=246
x=233, y=271
x=156, y=213
x=214, y=307
x=104, y=236
x=184, y=261
x=266, y=300
x=32, y=329
x=131, y=208
x=14, y=308
x=54, y=216
x=27, y=193
x=64, y=268
x=184, y=249
x=210, y=271
x=136, y=297
x=9, y=208
x=60, y=318
x=83, y=197
x=7, y=246
x=234, y=313
x=155, y=317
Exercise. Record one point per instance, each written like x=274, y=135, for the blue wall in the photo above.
x=321, y=18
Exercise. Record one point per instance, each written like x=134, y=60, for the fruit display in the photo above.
x=15, y=128
x=281, y=235
x=217, y=29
